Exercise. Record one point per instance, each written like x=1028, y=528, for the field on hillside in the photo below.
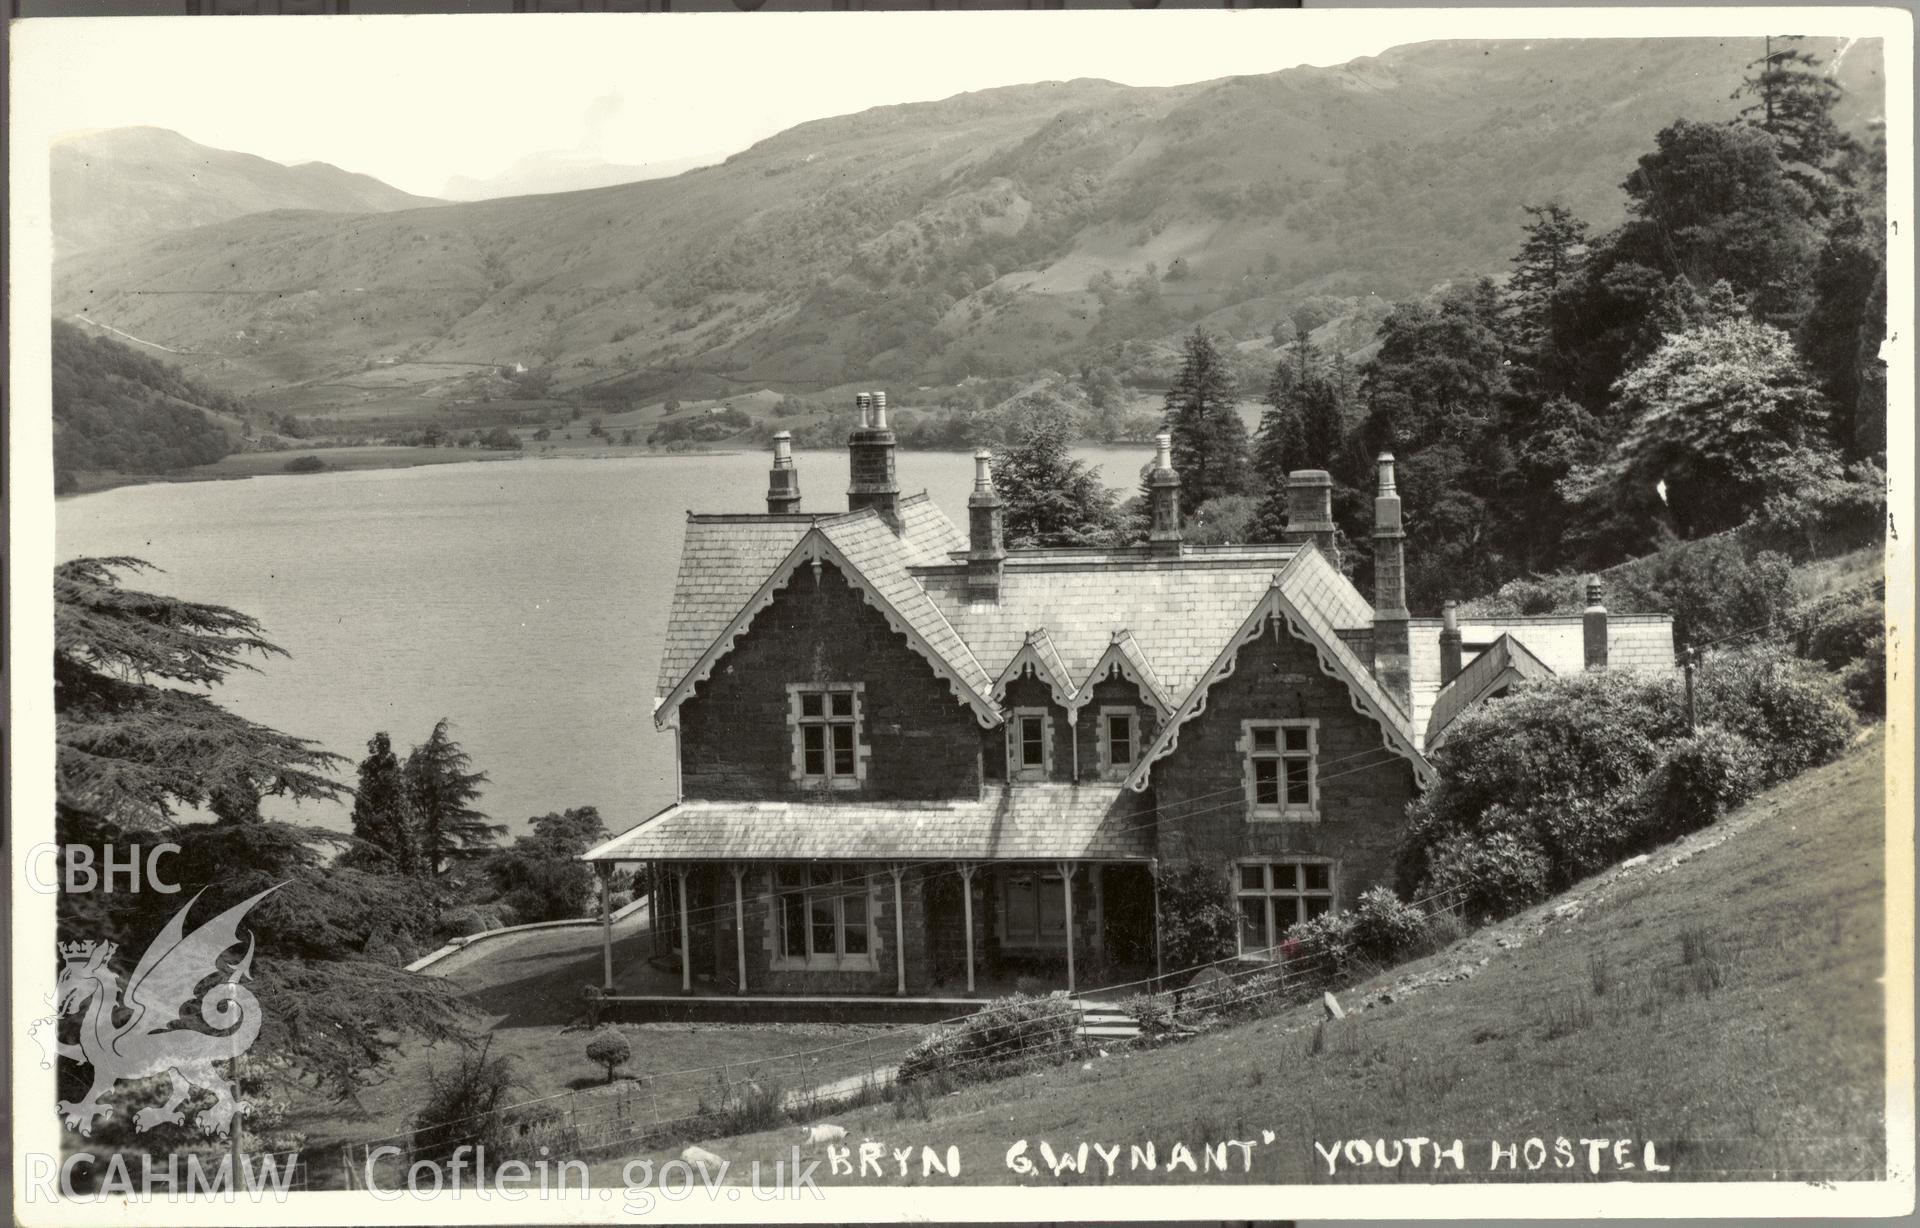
x=1722, y=1001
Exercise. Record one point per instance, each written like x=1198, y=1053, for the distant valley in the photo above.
x=989, y=234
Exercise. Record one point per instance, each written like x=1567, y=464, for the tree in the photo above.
x=1722, y=415
x=541, y=875
x=1051, y=498
x=1793, y=102
x=1549, y=258
x=383, y=817
x=501, y=439
x=335, y=1000
x=128, y=750
x=1209, y=439
x=609, y=1048
x=439, y=788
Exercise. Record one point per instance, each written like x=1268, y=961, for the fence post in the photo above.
x=1693, y=725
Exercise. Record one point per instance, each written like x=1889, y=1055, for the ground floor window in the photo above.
x=1033, y=908
x=824, y=915
x=1273, y=895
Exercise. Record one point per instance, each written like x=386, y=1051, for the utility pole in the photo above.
x=1693, y=726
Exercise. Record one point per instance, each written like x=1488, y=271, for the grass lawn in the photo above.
x=527, y=992
x=1722, y=1000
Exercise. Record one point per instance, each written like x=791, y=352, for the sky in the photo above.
x=414, y=100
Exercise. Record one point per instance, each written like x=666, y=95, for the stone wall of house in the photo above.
x=735, y=737
x=1364, y=788
x=1112, y=693
x=1030, y=693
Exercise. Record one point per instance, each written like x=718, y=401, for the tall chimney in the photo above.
x=1449, y=641
x=870, y=460
x=986, y=532
x=1164, y=486
x=1593, y=626
x=1310, y=512
x=1392, y=663
x=783, y=480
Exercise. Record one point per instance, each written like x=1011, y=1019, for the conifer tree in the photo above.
x=1793, y=101
x=439, y=788
x=1549, y=258
x=1050, y=498
x=1209, y=440
x=382, y=809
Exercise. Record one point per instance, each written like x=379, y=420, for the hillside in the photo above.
x=987, y=234
x=128, y=184
x=1723, y=998
x=116, y=409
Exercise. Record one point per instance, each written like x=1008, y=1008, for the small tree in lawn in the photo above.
x=609, y=1048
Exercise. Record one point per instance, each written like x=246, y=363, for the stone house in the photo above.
x=915, y=763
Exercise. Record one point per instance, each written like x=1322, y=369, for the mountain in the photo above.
x=122, y=184
x=117, y=409
x=555, y=170
x=991, y=233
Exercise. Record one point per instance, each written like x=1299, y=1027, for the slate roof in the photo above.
x=1506, y=660
x=723, y=561
x=1178, y=612
x=1638, y=642
x=1033, y=822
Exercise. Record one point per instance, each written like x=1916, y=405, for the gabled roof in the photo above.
x=1299, y=596
x=1642, y=643
x=723, y=562
x=1177, y=611
x=1035, y=822
x=1503, y=663
x=1125, y=654
x=1039, y=653
x=874, y=558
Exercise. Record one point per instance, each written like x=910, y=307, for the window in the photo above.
x=1280, y=770
x=1273, y=895
x=1035, y=909
x=1030, y=744
x=824, y=917
x=827, y=747
x=1119, y=740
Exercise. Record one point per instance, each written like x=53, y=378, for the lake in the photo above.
x=524, y=600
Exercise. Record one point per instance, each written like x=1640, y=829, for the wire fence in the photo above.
x=672, y=1107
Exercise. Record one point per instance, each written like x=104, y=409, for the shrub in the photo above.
x=1775, y=700
x=1865, y=681
x=1005, y=1034
x=468, y=1104
x=1710, y=586
x=609, y=1048
x=1488, y=876
x=754, y=1101
x=305, y=464
x=1386, y=930
x=1697, y=780
x=1321, y=948
x=1584, y=834
x=1196, y=925
x=474, y=919
x=1836, y=634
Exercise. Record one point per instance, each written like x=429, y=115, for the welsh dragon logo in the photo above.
x=139, y=1031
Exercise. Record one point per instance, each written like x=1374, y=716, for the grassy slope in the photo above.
x=1582, y=1025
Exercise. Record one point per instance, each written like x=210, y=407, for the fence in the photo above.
x=672, y=1107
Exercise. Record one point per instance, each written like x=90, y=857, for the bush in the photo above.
x=468, y=1104
x=1489, y=876
x=1196, y=924
x=1710, y=586
x=1837, y=634
x=1865, y=681
x=1699, y=779
x=1319, y=950
x=609, y=1048
x=1387, y=930
x=1775, y=700
x=474, y=919
x=305, y=464
x=1005, y=1034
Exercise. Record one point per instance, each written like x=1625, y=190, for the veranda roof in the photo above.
x=1034, y=822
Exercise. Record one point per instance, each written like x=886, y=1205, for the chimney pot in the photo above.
x=1593, y=626
x=1310, y=512
x=783, y=480
x=1163, y=485
x=880, y=411
x=1392, y=653
x=870, y=460
x=1450, y=652
x=986, y=532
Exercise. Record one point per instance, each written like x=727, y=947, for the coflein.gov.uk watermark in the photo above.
x=468, y=1174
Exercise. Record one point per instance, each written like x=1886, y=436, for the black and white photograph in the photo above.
x=842, y=616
